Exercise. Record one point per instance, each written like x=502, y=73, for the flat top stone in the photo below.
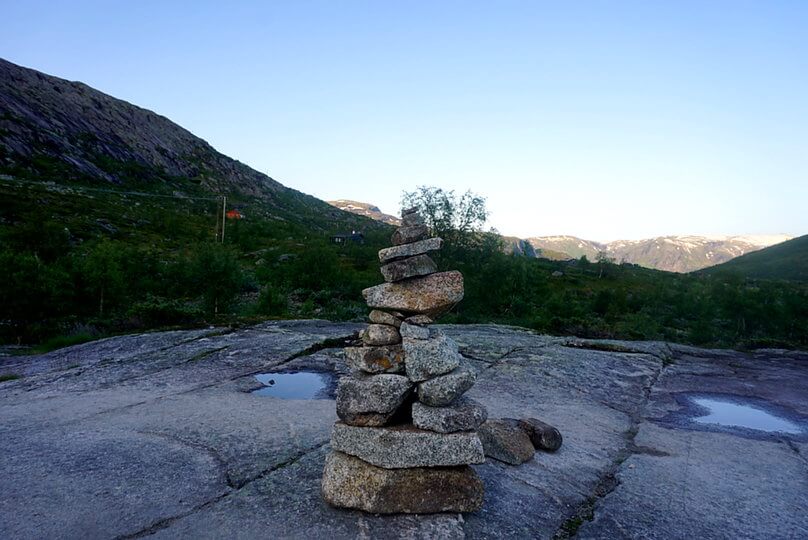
x=168, y=416
x=432, y=295
x=398, y=447
x=409, y=250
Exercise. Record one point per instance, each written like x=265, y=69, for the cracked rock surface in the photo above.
x=157, y=434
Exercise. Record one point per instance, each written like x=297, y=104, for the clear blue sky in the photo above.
x=598, y=119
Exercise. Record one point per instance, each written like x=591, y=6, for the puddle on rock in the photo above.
x=727, y=413
x=298, y=385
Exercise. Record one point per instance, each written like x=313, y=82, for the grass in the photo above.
x=60, y=342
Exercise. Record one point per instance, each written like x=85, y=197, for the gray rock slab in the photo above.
x=445, y=389
x=711, y=476
x=409, y=250
x=371, y=400
x=428, y=358
x=236, y=465
x=403, y=446
x=465, y=414
x=288, y=503
x=349, y=482
x=90, y=481
x=419, y=265
x=431, y=295
x=92, y=382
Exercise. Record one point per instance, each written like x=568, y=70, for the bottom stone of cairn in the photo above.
x=349, y=482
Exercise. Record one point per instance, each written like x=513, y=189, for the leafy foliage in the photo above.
x=113, y=263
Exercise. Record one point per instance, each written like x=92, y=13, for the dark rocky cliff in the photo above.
x=63, y=131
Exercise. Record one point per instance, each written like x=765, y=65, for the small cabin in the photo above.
x=234, y=213
x=355, y=237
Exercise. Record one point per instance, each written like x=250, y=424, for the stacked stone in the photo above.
x=406, y=434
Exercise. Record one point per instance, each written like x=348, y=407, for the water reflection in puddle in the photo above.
x=300, y=385
x=727, y=413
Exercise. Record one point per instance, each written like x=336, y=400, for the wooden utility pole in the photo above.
x=224, y=214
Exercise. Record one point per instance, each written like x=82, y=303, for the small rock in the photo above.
x=428, y=358
x=409, y=250
x=420, y=265
x=349, y=482
x=420, y=320
x=430, y=295
x=443, y=390
x=465, y=414
x=383, y=317
x=412, y=219
x=404, y=446
x=412, y=331
x=543, y=436
x=385, y=359
x=557, y=273
x=409, y=233
x=381, y=334
x=506, y=441
x=371, y=400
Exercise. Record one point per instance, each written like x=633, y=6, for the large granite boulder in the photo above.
x=371, y=400
x=404, y=446
x=431, y=295
x=349, y=482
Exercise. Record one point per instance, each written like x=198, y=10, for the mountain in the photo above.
x=670, y=253
x=787, y=260
x=566, y=247
x=71, y=134
x=365, y=209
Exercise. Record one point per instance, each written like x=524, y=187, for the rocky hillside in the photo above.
x=788, y=260
x=671, y=253
x=66, y=132
x=365, y=209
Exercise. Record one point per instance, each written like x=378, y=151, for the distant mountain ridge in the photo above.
x=685, y=253
x=365, y=209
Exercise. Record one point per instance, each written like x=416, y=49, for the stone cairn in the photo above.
x=406, y=434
